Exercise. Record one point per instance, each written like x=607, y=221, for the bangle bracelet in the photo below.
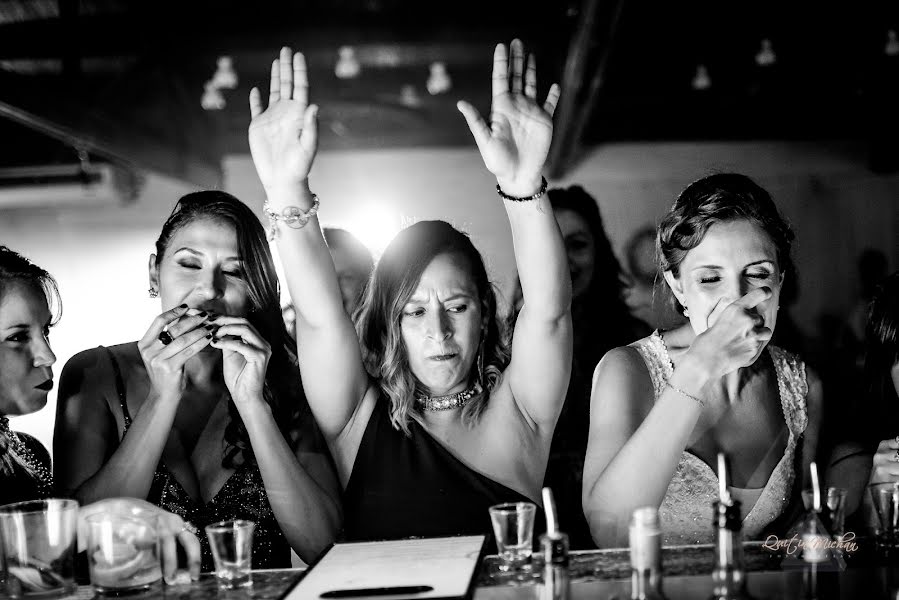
x=540, y=192
x=292, y=216
x=685, y=394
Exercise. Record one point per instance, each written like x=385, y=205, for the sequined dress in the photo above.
x=685, y=512
x=242, y=496
x=20, y=485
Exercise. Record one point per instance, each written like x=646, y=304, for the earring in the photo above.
x=686, y=312
x=154, y=293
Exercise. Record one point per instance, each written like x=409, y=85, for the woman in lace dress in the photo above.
x=205, y=415
x=664, y=406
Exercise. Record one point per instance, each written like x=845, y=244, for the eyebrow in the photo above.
x=200, y=254
x=464, y=295
x=752, y=264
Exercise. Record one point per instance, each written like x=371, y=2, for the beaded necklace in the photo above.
x=448, y=402
x=41, y=475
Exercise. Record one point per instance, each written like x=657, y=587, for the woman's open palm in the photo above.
x=516, y=143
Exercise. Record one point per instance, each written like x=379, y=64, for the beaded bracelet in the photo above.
x=292, y=216
x=539, y=193
x=685, y=394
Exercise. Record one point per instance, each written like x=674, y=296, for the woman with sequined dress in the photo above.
x=429, y=420
x=205, y=415
x=664, y=406
x=29, y=306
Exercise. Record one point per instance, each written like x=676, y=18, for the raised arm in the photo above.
x=514, y=148
x=283, y=142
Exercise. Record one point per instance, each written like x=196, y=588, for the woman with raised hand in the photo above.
x=428, y=419
x=205, y=414
x=664, y=406
x=29, y=306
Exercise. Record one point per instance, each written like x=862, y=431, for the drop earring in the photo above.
x=154, y=293
x=686, y=311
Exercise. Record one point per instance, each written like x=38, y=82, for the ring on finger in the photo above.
x=190, y=527
x=165, y=337
x=897, y=440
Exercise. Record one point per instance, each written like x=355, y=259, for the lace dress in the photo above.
x=685, y=512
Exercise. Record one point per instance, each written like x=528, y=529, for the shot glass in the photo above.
x=833, y=509
x=885, y=497
x=232, y=552
x=513, y=527
x=122, y=553
x=37, y=539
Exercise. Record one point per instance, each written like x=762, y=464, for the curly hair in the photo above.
x=718, y=199
x=283, y=390
x=393, y=282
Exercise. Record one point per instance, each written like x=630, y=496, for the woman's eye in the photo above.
x=710, y=279
x=458, y=309
x=761, y=275
x=237, y=274
x=187, y=265
x=19, y=337
x=415, y=312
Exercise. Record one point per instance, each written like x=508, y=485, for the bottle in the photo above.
x=556, y=579
x=646, y=554
x=554, y=546
x=729, y=574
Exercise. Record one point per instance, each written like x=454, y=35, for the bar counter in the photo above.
x=603, y=574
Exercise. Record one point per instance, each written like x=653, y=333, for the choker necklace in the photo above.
x=449, y=402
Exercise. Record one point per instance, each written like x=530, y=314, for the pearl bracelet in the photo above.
x=292, y=216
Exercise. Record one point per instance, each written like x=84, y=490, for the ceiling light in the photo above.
x=439, y=80
x=212, y=97
x=701, y=81
x=225, y=77
x=892, y=46
x=347, y=66
x=409, y=96
x=765, y=56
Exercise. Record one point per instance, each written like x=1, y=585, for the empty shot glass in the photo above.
x=122, y=553
x=37, y=541
x=232, y=551
x=885, y=497
x=833, y=509
x=513, y=526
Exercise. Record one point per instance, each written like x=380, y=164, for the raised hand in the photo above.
x=516, y=143
x=245, y=356
x=284, y=136
x=735, y=337
x=165, y=362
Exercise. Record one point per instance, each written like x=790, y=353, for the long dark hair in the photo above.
x=378, y=319
x=602, y=320
x=283, y=390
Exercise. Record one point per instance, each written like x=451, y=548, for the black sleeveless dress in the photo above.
x=412, y=486
x=19, y=485
x=242, y=496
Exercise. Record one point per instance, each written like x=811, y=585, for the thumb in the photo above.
x=479, y=129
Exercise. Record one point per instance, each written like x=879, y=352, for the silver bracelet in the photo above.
x=685, y=394
x=536, y=196
x=292, y=216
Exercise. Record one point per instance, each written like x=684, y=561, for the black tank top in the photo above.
x=411, y=486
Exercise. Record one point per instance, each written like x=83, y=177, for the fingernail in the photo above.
x=209, y=327
x=208, y=336
x=183, y=306
x=202, y=313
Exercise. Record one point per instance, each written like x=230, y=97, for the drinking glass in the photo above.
x=122, y=553
x=833, y=509
x=38, y=540
x=885, y=497
x=513, y=526
x=232, y=551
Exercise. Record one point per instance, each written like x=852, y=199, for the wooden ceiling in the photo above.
x=123, y=80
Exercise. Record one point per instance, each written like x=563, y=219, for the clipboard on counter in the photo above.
x=413, y=569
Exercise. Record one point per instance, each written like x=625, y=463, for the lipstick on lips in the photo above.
x=442, y=357
x=45, y=386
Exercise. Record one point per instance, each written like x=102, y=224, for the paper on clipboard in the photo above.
x=445, y=564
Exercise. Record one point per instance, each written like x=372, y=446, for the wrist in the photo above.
x=296, y=194
x=691, y=374
x=521, y=187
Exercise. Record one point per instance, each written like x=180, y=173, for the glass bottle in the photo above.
x=729, y=574
x=645, y=536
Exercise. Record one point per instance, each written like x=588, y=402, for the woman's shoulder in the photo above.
x=97, y=366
